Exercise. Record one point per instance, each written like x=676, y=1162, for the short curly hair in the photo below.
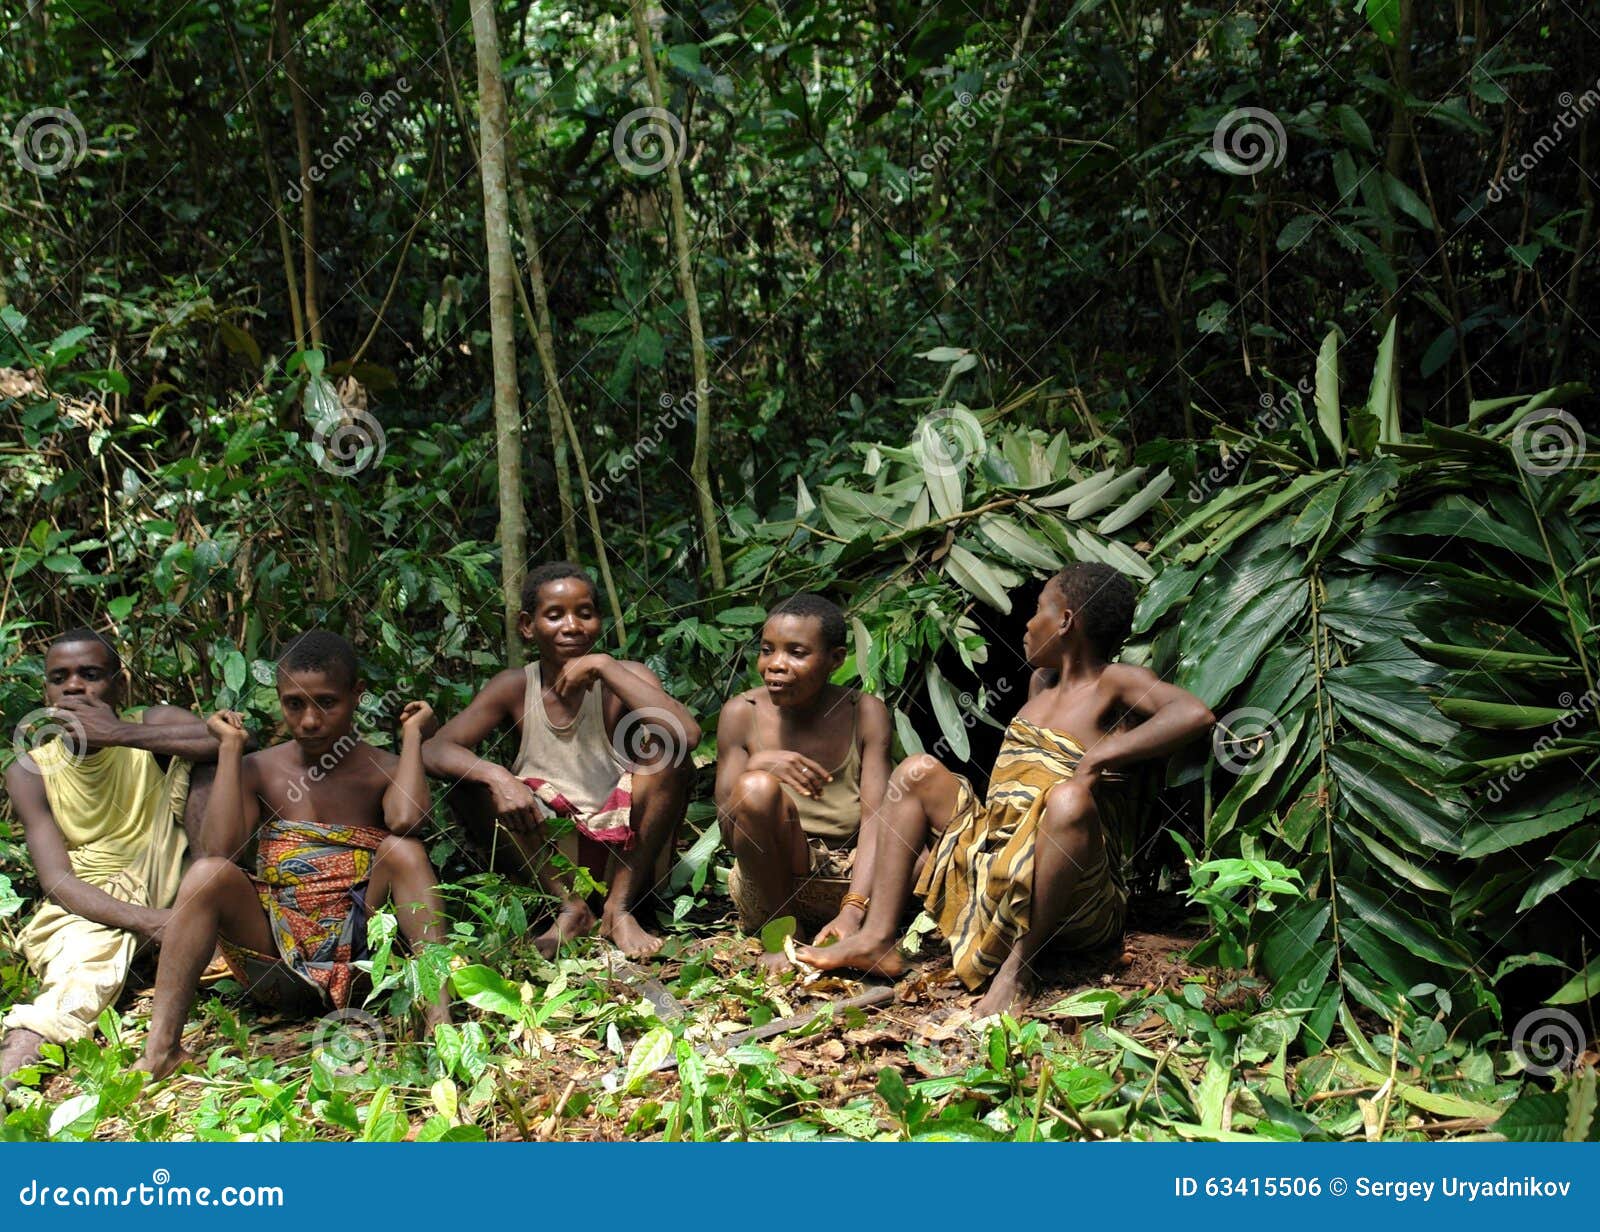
x=1103, y=601
x=317, y=650
x=554, y=571
x=829, y=613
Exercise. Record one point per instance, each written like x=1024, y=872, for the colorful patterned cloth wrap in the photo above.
x=611, y=824
x=311, y=879
x=978, y=884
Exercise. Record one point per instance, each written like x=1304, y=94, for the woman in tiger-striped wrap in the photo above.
x=1041, y=862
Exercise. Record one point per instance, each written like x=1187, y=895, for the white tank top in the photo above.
x=577, y=760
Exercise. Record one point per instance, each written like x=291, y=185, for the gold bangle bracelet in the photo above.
x=852, y=899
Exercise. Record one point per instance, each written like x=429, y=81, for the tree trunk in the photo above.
x=502, y=291
x=700, y=465
x=308, y=207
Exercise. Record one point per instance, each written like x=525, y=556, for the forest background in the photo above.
x=344, y=314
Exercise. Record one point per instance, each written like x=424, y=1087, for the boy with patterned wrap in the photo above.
x=102, y=806
x=1040, y=862
x=333, y=818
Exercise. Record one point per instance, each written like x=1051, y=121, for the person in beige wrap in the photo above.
x=102, y=806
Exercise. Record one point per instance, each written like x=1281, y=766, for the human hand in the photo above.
x=846, y=924
x=101, y=726
x=152, y=924
x=578, y=674
x=418, y=718
x=228, y=727
x=514, y=803
x=795, y=769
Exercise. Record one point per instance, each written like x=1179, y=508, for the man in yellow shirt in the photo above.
x=102, y=807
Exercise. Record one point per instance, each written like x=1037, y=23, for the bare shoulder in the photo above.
x=738, y=712
x=873, y=713
x=506, y=688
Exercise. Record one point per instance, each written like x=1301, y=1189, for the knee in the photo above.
x=208, y=878
x=1069, y=808
x=756, y=796
x=912, y=771
x=405, y=858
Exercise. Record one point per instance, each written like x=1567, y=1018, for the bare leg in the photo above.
x=761, y=828
x=528, y=854
x=1070, y=841
x=659, y=800
x=215, y=899
x=19, y=1048
x=403, y=874
x=920, y=800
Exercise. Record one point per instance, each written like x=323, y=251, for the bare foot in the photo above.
x=20, y=1049
x=163, y=1066
x=1008, y=991
x=573, y=920
x=628, y=935
x=859, y=952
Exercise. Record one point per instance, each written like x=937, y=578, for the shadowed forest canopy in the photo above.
x=343, y=314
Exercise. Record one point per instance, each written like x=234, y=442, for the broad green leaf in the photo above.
x=486, y=989
x=1383, y=399
x=1327, y=395
x=979, y=578
x=650, y=1050
x=1136, y=508
x=947, y=709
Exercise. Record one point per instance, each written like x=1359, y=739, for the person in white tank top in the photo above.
x=599, y=740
